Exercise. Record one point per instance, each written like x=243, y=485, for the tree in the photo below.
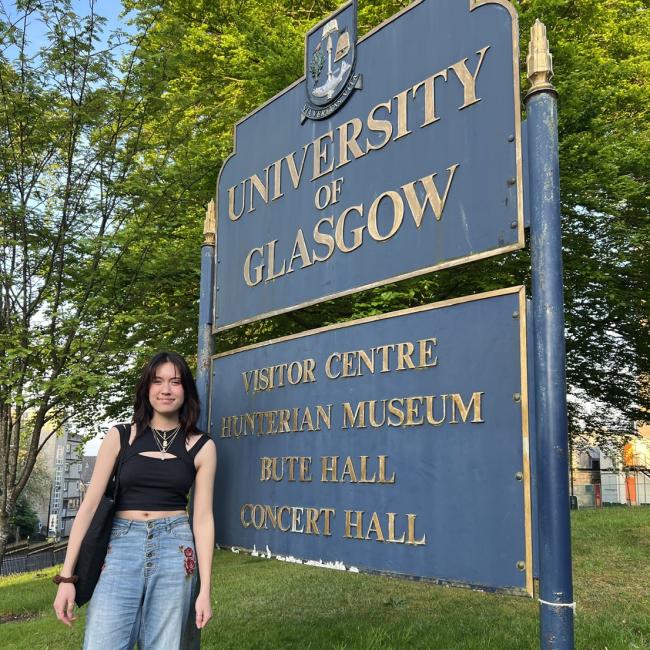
x=24, y=518
x=72, y=130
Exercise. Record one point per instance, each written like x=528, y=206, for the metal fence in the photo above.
x=33, y=561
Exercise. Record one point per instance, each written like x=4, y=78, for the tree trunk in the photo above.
x=4, y=535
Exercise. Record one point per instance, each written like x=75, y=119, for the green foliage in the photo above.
x=24, y=518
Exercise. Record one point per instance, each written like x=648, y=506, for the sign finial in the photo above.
x=540, y=59
x=209, y=225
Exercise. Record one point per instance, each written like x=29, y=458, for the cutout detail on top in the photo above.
x=157, y=455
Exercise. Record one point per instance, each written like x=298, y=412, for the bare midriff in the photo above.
x=143, y=515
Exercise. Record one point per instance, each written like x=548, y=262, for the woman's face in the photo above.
x=166, y=394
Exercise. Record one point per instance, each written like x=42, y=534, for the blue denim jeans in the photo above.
x=145, y=588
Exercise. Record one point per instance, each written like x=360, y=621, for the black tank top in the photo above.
x=148, y=483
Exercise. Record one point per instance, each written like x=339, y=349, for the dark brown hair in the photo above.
x=142, y=409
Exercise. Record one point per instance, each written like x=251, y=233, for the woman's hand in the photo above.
x=64, y=603
x=203, y=609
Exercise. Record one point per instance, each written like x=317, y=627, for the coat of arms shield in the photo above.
x=330, y=56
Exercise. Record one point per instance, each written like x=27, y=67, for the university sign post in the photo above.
x=400, y=443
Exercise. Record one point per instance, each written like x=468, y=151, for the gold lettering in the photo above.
x=350, y=417
x=348, y=471
x=402, y=115
x=411, y=532
x=270, y=515
x=272, y=274
x=296, y=173
x=394, y=410
x=307, y=370
x=244, y=523
x=233, y=215
x=305, y=469
x=349, y=524
x=259, y=269
x=368, y=361
x=258, y=517
x=404, y=352
x=283, y=425
x=299, y=251
x=266, y=468
x=426, y=353
x=432, y=196
x=312, y=518
x=296, y=516
x=225, y=427
x=277, y=180
x=429, y=96
x=307, y=420
x=376, y=126
x=457, y=402
x=320, y=155
x=281, y=511
x=391, y=529
x=327, y=512
x=468, y=79
x=255, y=183
x=324, y=239
x=328, y=365
x=413, y=411
x=430, y=410
x=364, y=471
x=329, y=466
x=357, y=232
x=372, y=406
x=398, y=215
x=383, y=460
x=375, y=527
x=348, y=362
x=349, y=142
x=324, y=415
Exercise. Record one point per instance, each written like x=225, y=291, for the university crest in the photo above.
x=330, y=56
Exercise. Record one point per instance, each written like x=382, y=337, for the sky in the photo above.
x=109, y=9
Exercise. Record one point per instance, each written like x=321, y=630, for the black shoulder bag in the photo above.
x=95, y=544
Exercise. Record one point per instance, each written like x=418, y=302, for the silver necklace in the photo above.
x=164, y=439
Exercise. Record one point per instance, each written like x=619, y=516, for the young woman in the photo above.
x=145, y=588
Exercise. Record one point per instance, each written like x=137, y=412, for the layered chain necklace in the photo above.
x=164, y=439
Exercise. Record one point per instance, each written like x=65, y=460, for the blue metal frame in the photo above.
x=192, y=635
x=556, y=589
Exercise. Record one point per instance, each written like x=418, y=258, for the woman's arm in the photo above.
x=203, y=520
x=108, y=452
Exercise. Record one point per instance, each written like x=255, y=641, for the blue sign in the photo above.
x=398, y=443
x=394, y=156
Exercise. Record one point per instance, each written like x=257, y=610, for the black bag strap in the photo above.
x=125, y=433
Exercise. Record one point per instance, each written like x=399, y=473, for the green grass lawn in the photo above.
x=269, y=604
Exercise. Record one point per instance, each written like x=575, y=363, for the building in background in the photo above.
x=47, y=462
x=87, y=468
x=66, y=487
x=608, y=477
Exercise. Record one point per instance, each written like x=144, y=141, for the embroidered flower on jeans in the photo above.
x=190, y=561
